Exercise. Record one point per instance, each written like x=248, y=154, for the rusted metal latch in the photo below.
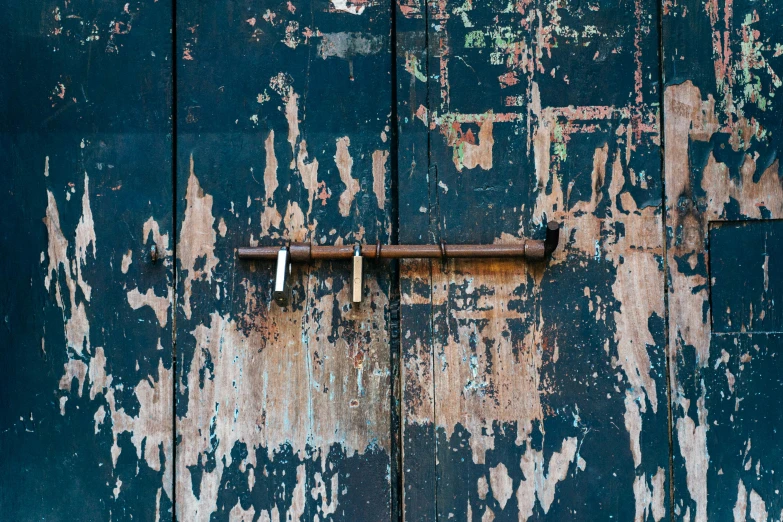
x=532, y=249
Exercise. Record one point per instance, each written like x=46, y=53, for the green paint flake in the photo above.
x=752, y=62
x=413, y=66
x=559, y=143
x=462, y=11
x=475, y=39
x=504, y=37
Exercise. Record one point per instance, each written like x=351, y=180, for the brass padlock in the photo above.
x=282, y=291
x=356, y=275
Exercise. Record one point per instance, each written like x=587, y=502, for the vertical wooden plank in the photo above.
x=722, y=135
x=547, y=383
x=86, y=402
x=282, y=414
x=415, y=198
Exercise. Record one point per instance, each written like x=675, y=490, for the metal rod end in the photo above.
x=552, y=238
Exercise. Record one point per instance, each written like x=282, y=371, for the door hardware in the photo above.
x=531, y=249
x=282, y=291
x=356, y=275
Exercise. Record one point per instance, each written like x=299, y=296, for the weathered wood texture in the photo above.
x=533, y=392
x=86, y=404
x=723, y=141
x=283, y=133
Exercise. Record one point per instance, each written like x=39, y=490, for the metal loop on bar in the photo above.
x=378, y=249
x=443, y=251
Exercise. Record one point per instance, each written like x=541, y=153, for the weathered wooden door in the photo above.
x=635, y=376
x=724, y=202
x=530, y=391
x=86, y=407
x=284, y=133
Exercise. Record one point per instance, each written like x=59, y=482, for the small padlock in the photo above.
x=356, y=276
x=282, y=293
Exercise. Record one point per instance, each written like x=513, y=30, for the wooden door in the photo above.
x=86, y=405
x=724, y=201
x=533, y=391
x=284, y=133
x=634, y=376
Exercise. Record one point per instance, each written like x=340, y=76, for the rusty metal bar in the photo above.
x=532, y=249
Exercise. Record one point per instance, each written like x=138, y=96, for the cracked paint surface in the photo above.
x=724, y=192
x=527, y=392
x=86, y=426
x=516, y=376
x=282, y=414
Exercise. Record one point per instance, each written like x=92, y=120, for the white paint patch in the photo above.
x=161, y=240
x=540, y=483
x=298, y=500
x=502, y=484
x=693, y=447
x=238, y=514
x=159, y=304
x=308, y=172
x=127, y=259
x=344, y=7
x=77, y=327
x=758, y=508
x=649, y=501
x=344, y=163
x=741, y=506
x=85, y=237
x=328, y=503
x=379, y=158
x=270, y=170
x=197, y=239
x=633, y=423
